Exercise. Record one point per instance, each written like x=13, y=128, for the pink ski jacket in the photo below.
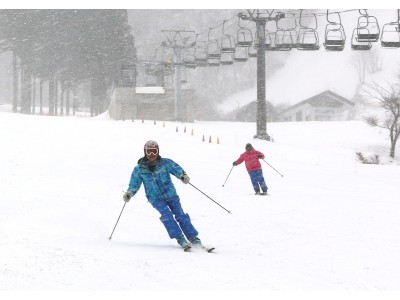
x=251, y=160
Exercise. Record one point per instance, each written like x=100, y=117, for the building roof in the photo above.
x=150, y=90
x=324, y=99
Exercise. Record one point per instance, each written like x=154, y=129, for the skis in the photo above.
x=189, y=248
x=208, y=249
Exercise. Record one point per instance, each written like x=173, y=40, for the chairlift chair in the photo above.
x=213, y=49
x=286, y=34
x=202, y=63
x=367, y=29
x=359, y=45
x=270, y=39
x=189, y=59
x=213, y=62
x=228, y=44
x=307, y=39
x=241, y=53
x=284, y=41
x=227, y=58
x=390, y=37
x=244, y=37
x=335, y=37
x=200, y=53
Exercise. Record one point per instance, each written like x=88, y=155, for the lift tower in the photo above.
x=178, y=42
x=260, y=18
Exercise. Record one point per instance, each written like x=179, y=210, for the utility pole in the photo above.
x=261, y=19
x=177, y=43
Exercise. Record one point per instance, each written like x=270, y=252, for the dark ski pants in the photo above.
x=174, y=218
x=257, y=180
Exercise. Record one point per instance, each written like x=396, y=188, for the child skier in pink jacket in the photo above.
x=251, y=158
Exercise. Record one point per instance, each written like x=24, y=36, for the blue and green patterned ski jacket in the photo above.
x=155, y=178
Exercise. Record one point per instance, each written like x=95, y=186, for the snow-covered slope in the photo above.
x=330, y=223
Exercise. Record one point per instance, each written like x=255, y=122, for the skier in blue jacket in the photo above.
x=154, y=172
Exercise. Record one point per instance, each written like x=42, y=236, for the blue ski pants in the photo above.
x=257, y=180
x=173, y=217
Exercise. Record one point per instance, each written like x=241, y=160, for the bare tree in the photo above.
x=389, y=100
x=366, y=62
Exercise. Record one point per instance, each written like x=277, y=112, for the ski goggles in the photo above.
x=151, y=151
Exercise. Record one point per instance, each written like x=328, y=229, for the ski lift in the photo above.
x=335, y=37
x=269, y=44
x=227, y=58
x=244, y=36
x=367, y=28
x=286, y=35
x=200, y=53
x=189, y=59
x=213, y=62
x=213, y=49
x=241, y=53
x=270, y=35
x=284, y=40
x=228, y=42
x=356, y=44
x=390, y=36
x=307, y=38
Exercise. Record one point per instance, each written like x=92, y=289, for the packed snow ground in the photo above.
x=330, y=224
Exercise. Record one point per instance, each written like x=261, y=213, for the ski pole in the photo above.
x=273, y=168
x=117, y=221
x=228, y=176
x=210, y=198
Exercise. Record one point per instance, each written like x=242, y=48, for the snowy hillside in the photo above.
x=330, y=224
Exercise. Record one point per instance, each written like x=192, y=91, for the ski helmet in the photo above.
x=248, y=146
x=151, y=147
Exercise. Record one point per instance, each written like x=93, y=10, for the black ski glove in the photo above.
x=234, y=163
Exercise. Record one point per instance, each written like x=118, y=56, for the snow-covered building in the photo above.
x=151, y=103
x=326, y=106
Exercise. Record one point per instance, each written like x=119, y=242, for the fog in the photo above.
x=291, y=76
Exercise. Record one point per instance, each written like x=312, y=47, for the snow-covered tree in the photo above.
x=389, y=100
